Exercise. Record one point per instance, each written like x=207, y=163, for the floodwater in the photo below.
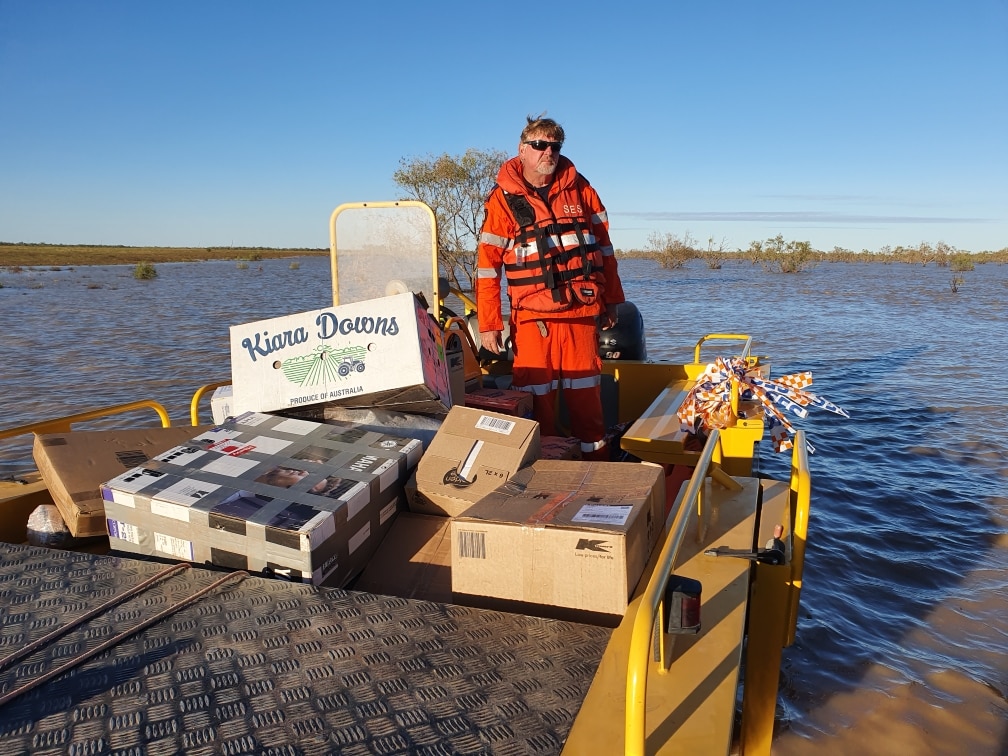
x=902, y=644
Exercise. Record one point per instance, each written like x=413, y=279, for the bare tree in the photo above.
x=455, y=188
x=715, y=256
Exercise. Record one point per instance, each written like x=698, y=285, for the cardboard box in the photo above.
x=575, y=535
x=385, y=352
x=559, y=447
x=302, y=500
x=505, y=401
x=75, y=464
x=471, y=454
x=222, y=404
x=414, y=560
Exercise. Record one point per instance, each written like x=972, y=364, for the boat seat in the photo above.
x=655, y=436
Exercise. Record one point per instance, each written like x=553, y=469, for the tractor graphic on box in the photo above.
x=324, y=364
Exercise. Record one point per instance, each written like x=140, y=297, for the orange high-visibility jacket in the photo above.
x=557, y=257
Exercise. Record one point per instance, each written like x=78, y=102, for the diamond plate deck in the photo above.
x=265, y=666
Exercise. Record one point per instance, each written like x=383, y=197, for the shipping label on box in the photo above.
x=386, y=352
x=472, y=453
x=75, y=464
x=505, y=401
x=561, y=534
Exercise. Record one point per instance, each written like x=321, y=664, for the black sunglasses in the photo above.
x=540, y=145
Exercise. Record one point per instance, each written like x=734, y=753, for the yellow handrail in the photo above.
x=62, y=424
x=194, y=404
x=801, y=493
x=467, y=301
x=724, y=337
x=639, y=655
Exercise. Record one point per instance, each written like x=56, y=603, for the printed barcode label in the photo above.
x=603, y=514
x=472, y=544
x=495, y=424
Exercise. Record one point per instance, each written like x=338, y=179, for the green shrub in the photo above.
x=144, y=271
x=961, y=262
x=779, y=256
x=670, y=251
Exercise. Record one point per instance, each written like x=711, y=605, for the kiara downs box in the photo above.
x=386, y=353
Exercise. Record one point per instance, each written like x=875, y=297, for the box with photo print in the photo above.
x=290, y=497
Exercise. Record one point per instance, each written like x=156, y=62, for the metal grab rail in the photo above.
x=744, y=354
x=194, y=404
x=62, y=424
x=460, y=324
x=639, y=655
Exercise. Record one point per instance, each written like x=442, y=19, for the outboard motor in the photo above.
x=625, y=340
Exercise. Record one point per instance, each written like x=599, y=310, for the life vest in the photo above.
x=554, y=263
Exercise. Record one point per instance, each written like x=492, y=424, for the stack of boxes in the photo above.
x=544, y=536
x=497, y=516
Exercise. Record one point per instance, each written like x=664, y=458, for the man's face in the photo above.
x=544, y=161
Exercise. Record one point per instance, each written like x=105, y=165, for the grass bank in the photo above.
x=74, y=255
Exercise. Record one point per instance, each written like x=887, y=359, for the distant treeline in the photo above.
x=71, y=255
x=782, y=256
x=669, y=250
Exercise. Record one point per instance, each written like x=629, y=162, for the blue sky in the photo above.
x=855, y=124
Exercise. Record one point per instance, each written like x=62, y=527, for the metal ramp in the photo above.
x=264, y=666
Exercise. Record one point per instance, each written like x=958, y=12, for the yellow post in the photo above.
x=773, y=613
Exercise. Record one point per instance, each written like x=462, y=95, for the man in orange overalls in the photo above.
x=547, y=230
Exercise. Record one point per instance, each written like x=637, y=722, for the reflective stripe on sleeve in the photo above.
x=590, y=446
x=487, y=273
x=602, y=217
x=607, y=251
x=493, y=240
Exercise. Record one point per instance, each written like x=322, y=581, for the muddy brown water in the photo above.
x=902, y=642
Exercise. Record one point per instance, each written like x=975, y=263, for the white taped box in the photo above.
x=262, y=493
x=222, y=404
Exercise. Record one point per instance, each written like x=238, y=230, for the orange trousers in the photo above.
x=552, y=355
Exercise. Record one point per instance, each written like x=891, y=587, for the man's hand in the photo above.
x=493, y=341
x=609, y=317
